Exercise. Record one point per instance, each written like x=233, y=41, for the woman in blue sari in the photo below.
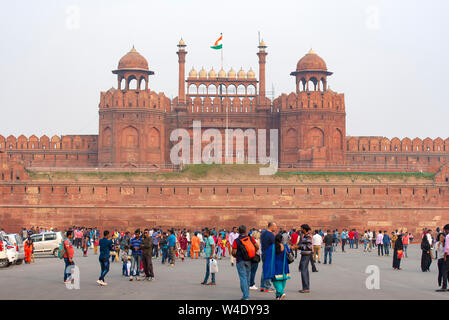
x=276, y=267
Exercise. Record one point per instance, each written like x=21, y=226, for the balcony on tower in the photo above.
x=221, y=92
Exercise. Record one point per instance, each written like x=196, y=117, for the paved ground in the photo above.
x=344, y=279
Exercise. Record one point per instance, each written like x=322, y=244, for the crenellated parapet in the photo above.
x=311, y=100
x=395, y=145
x=44, y=143
x=134, y=99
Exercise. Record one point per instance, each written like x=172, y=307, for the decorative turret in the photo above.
x=241, y=74
x=311, y=72
x=250, y=74
x=203, y=74
x=212, y=74
x=231, y=74
x=193, y=73
x=132, y=66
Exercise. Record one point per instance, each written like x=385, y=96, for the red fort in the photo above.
x=406, y=184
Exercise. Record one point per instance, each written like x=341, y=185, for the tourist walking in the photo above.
x=397, y=253
x=386, y=243
x=171, y=243
x=147, y=254
x=380, y=243
x=209, y=249
x=405, y=242
x=85, y=242
x=336, y=238
x=183, y=245
x=306, y=253
x=136, y=255
x=244, y=249
x=426, y=259
x=351, y=239
x=439, y=252
x=370, y=240
x=68, y=254
x=156, y=238
x=266, y=240
x=232, y=236
x=445, y=263
x=106, y=246
x=195, y=246
x=29, y=248
x=164, y=247
x=328, y=240
x=125, y=258
x=365, y=241
x=294, y=239
x=344, y=237
x=394, y=237
x=356, y=238
x=316, y=243
x=255, y=264
x=276, y=268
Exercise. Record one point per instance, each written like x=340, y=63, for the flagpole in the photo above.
x=227, y=120
x=221, y=50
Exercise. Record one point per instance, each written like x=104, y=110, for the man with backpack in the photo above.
x=244, y=250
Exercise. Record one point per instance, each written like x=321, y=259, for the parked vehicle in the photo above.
x=8, y=252
x=3, y=255
x=17, y=242
x=47, y=243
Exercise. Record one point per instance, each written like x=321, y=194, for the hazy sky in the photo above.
x=390, y=58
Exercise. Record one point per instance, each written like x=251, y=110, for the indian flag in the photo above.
x=218, y=44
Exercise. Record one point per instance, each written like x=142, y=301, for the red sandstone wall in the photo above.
x=223, y=205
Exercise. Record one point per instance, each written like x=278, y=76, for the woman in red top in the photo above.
x=183, y=245
x=351, y=239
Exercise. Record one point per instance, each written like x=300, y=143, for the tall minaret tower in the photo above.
x=262, y=54
x=181, y=81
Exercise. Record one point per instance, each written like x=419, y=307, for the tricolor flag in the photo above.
x=218, y=44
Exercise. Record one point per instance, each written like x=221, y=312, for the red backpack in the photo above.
x=247, y=248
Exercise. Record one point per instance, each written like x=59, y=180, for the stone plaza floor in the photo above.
x=345, y=278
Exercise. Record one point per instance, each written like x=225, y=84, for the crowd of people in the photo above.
x=271, y=248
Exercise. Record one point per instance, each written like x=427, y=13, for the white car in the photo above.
x=17, y=242
x=8, y=252
x=46, y=243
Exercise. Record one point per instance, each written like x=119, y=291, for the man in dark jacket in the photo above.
x=328, y=241
x=147, y=252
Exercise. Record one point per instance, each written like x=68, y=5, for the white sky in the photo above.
x=388, y=57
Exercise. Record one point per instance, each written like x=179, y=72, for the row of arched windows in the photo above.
x=231, y=89
x=312, y=84
x=132, y=83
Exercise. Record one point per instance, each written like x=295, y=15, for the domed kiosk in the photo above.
x=132, y=66
x=311, y=73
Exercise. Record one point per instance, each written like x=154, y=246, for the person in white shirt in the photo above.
x=317, y=240
x=370, y=239
x=232, y=236
x=380, y=243
x=429, y=237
